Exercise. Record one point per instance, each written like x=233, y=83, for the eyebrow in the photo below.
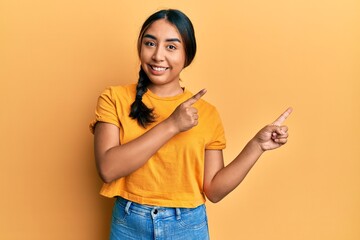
x=167, y=40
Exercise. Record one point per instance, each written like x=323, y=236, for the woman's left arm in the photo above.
x=220, y=180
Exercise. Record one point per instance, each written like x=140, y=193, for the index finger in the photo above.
x=195, y=98
x=282, y=117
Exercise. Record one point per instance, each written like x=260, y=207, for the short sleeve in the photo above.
x=218, y=140
x=105, y=110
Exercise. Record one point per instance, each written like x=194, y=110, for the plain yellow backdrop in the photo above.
x=255, y=58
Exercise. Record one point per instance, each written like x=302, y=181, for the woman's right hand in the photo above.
x=185, y=116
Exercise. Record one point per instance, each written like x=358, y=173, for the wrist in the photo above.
x=256, y=146
x=170, y=126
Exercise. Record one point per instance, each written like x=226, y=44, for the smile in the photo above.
x=158, y=69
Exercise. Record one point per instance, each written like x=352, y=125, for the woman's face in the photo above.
x=162, y=54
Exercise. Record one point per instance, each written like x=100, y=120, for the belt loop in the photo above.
x=178, y=213
x=127, y=207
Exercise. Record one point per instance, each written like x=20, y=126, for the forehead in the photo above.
x=163, y=29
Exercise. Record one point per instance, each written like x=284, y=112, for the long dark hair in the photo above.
x=139, y=110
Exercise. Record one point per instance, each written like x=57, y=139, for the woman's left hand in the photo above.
x=274, y=135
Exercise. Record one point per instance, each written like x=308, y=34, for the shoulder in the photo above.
x=202, y=104
x=120, y=91
x=206, y=104
x=208, y=110
x=205, y=108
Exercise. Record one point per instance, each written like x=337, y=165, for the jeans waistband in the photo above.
x=152, y=211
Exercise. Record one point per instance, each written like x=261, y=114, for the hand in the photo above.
x=274, y=135
x=185, y=116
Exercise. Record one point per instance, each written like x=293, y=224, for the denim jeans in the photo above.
x=135, y=221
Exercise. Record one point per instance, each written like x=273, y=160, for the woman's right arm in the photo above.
x=115, y=160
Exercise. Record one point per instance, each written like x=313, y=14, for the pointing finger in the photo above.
x=195, y=98
x=282, y=117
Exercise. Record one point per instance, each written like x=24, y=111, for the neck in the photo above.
x=166, y=91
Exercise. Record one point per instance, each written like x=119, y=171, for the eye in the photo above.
x=171, y=47
x=149, y=44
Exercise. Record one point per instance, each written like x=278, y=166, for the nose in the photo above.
x=158, y=54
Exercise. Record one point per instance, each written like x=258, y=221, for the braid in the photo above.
x=138, y=109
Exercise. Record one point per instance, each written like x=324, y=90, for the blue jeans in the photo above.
x=135, y=221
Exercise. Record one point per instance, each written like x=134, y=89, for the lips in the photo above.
x=158, y=68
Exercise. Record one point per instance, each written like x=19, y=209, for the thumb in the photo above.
x=194, y=98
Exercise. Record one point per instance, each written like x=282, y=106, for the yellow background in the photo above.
x=255, y=58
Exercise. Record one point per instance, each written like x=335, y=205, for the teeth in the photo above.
x=158, y=68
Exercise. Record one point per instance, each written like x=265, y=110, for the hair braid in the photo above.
x=138, y=109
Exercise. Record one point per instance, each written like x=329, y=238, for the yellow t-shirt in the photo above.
x=173, y=177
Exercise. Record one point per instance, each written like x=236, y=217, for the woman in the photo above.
x=158, y=147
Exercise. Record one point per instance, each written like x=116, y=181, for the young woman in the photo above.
x=158, y=147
